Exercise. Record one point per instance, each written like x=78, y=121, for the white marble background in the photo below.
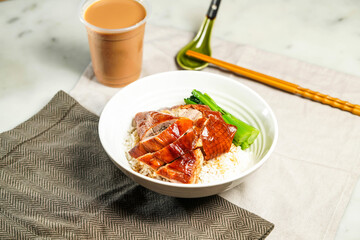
x=43, y=47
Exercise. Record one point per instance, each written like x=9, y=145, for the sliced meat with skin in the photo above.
x=215, y=134
x=146, y=121
x=184, y=169
x=180, y=110
x=188, y=112
x=158, y=128
x=171, y=152
x=216, y=137
x=198, y=128
x=194, y=111
x=137, y=151
x=164, y=138
x=207, y=112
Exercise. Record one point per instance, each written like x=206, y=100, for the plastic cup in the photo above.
x=116, y=54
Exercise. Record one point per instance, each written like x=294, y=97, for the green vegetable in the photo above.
x=192, y=100
x=245, y=134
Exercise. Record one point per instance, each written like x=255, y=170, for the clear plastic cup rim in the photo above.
x=144, y=3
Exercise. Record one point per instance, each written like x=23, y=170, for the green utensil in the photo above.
x=201, y=42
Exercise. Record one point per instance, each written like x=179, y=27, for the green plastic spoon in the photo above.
x=201, y=42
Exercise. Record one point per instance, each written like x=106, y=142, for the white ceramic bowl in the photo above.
x=169, y=89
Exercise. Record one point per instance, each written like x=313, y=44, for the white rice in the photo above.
x=226, y=166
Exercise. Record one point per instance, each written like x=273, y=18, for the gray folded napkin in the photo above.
x=57, y=182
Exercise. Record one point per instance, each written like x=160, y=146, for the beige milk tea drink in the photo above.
x=115, y=33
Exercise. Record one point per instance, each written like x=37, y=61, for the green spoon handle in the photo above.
x=213, y=9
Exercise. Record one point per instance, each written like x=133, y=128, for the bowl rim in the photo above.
x=138, y=83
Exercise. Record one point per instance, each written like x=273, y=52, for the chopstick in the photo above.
x=280, y=84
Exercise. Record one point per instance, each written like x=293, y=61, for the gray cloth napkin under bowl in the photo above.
x=57, y=182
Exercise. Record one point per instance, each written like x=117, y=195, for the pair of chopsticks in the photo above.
x=280, y=84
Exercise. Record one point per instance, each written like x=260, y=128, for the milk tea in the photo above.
x=115, y=33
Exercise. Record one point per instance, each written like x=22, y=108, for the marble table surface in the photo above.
x=43, y=48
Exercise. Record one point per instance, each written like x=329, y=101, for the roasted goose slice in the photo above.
x=188, y=112
x=198, y=128
x=152, y=122
x=193, y=112
x=216, y=137
x=176, y=141
x=184, y=169
x=171, y=152
x=161, y=140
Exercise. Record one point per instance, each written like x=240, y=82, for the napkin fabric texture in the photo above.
x=307, y=182
x=57, y=182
